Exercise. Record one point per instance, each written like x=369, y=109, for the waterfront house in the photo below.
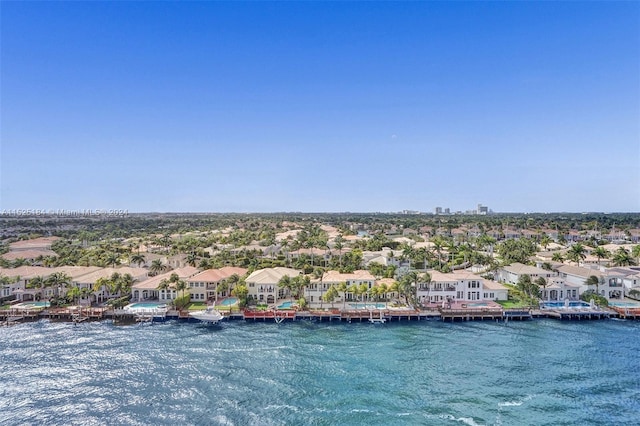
x=511, y=273
x=611, y=285
x=88, y=281
x=456, y=286
x=149, y=289
x=557, y=290
x=263, y=283
x=317, y=288
x=204, y=285
x=493, y=290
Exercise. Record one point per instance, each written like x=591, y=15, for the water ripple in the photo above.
x=537, y=372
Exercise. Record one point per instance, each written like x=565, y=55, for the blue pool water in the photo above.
x=422, y=373
x=146, y=305
x=229, y=301
x=625, y=304
x=574, y=304
x=285, y=305
x=33, y=305
x=367, y=305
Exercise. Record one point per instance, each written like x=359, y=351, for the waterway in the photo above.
x=540, y=372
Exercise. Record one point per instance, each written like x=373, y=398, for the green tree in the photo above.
x=622, y=257
x=520, y=250
x=138, y=259
x=593, y=281
x=576, y=253
x=241, y=292
x=600, y=253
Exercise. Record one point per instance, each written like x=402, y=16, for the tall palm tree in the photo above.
x=37, y=282
x=157, y=267
x=593, y=281
x=622, y=257
x=137, y=258
x=557, y=257
x=600, y=253
x=636, y=252
x=576, y=253
x=342, y=287
x=57, y=281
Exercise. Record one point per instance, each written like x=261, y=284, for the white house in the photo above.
x=204, y=285
x=611, y=284
x=459, y=285
x=263, y=283
x=148, y=289
x=511, y=273
x=317, y=288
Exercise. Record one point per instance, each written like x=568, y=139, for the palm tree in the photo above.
x=595, y=281
x=545, y=241
x=622, y=257
x=286, y=283
x=557, y=257
x=576, y=253
x=353, y=289
x=339, y=245
x=112, y=259
x=57, y=280
x=541, y=282
x=636, y=252
x=342, y=287
x=192, y=259
x=138, y=259
x=157, y=267
x=163, y=285
x=600, y=253
x=37, y=282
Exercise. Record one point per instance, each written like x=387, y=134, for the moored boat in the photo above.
x=210, y=315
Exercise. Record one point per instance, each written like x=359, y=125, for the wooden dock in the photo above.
x=473, y=314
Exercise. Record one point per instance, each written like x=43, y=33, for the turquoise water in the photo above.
x=229, y=301
x=575, y=304
x=541, y=372
x=285, y=305
x=146, y=305
x=367, y=305
x=34, y=305
x=625, y=304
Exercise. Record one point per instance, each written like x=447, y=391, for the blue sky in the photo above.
x=259, y=107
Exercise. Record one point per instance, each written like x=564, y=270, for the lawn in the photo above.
x=197, y=306
x=508, y=304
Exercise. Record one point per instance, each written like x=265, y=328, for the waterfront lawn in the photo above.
x=4, y=307
x=509, y=304
x=197, y=306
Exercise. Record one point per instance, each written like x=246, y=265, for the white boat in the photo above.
x=210, y=315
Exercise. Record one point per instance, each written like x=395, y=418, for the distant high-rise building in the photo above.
x=438, y=210
x=482, y=209
x=447, y=210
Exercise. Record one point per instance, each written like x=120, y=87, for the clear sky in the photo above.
x=259, y=107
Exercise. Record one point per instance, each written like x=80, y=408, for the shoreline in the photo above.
x=379, y=316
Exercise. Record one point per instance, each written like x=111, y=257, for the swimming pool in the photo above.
x=32, y=305
x=477, y=305
x=285, y=305
x=146, y=306
x=625, y=304
x=560, y=305
x=229, y=301
x=367, y=305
